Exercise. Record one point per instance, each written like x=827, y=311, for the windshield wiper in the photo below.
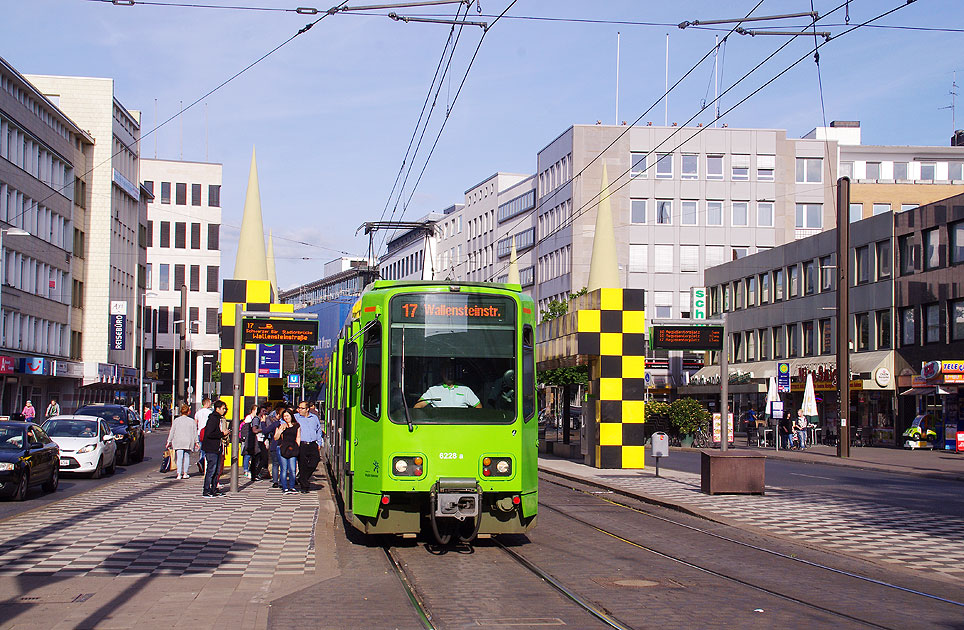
x=401, y=387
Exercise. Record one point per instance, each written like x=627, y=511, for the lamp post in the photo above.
x=186, y=332
x=140, y=398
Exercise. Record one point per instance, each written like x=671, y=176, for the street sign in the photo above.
x=783, y=378
x=294, y=380
x=301, y=332
x=269, y=361
x=118, y=331
x=687, y=337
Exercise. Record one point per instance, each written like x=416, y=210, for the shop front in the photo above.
x=934, y=399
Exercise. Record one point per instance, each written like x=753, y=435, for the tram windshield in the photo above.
x=453, y=358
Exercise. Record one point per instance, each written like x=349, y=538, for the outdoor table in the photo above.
x=767, y=437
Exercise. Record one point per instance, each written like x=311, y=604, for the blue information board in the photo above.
x=783, y=378
x=269, y=361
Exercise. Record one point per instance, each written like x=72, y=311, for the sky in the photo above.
x=332, y=111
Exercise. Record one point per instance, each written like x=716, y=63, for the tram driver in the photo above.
x=448, y=393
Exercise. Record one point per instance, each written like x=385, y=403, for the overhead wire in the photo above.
x=592, y=201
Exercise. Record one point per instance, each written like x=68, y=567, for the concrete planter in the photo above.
x=733, y=472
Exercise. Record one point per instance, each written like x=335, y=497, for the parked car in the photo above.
x=27, y=457
x=86, y=444
x=126, y=427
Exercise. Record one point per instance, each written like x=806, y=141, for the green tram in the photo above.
x=431, y=414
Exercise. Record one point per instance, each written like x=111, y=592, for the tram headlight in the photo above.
x=401, y=466
x=497, y=467
x=502, y=466
x=407, y=466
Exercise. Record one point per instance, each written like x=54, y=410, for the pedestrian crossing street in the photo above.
x=158, y=525
x=910, y=539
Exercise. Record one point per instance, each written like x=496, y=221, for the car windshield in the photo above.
x=114, y=418
x=452, y=359
x=71, y=428
x=12, y=438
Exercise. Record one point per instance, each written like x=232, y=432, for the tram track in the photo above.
x=729, y=577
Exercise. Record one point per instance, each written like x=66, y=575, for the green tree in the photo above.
x=558, y=308
x=656, y=409
x=688, y=415
x=305, y=365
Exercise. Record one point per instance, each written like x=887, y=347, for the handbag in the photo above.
x=166, y=461
x=290, y=450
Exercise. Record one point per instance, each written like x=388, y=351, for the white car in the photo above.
x=86, y=444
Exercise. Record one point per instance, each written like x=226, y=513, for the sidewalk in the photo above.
x=890, y=536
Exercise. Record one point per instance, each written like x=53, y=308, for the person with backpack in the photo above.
x=183, y=439
x=214, y=434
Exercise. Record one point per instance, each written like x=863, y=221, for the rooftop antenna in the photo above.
x=716, y=79
x=616, y=122
x=666, y=91
x=180, y=118
x=155, y=128
x=953, y=105
x=205, y=132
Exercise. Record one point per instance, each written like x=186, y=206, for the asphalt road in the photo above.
x=71, y=485
x=926, y=494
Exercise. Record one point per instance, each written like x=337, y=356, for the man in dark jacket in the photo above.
x=214, y=433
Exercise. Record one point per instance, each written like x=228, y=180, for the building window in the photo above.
x=163, y=324
x=764, y=335
x=212, y=279
x=738, y=297
x=826, y=337
x=793, y=281
x=663, y=258
x=826, y=274
x=873, y=170
x=956, y=233
x=862, y=330
x=777, y=285
x=689, y=257
x=180, y=194
x=195, y=194
x=195, y=236
x=764, y=214
x=148, y=184
x=688, y=213
x=195, y=277
x=165, y=233
x=764, y=288
x=809, y=278
x=214, y=230
x=714, y=167
x=883, y=260
x=908, y=328
x=751, y=345
x=715, y=255
x=808, y=340
x=164, y=279
x=638, y=258
x=740, y=167
x=847, y=169
x=809, y=170
x=664, y=304
x=905, y=254
x=862, y=275
x=751, y=291
x=165, y=192
x=180, y=235
x=737, y=347
x=881, y=208
x=178, y=277
x=214, y=196
x=956, y=319
x=638, y=211
x=792, y=343
x=211, y=321
x=955, y=171
x=777, y=342
x=639, y=165
x=883, y=330
x=765, y=166
x=904, y=207
x=900, y=170
x=856, y=212
x=932, y=258
x=739, y=252
x=148, y=277
x=927, y=171
x=714, y=213
x=809, y=216
x=664, y=165
x=690, y=166
x=664, y=212
x=739, y=209
x=932, y=323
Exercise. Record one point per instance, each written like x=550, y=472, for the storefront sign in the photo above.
x=68, y=369
x=698, y=303
x=882, y=376
x=717, y=428
x=783, y=378
x=299, y=332
x=118, y=332
x=952, y=367
x=8, y=365
x=919, y=381
x=269, y=361
x=960, y=441
x=118, y=307
x=930, y=369
x=33, y=365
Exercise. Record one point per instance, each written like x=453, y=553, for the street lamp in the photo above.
x=140, y=409
x=188, y=333
x=3, y=260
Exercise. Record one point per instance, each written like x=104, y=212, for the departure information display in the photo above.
x=437, y=308
x=687, y=337
x=299, y=332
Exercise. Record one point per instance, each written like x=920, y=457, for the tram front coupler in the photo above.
x=456, y=497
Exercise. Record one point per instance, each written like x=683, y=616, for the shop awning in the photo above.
x=918, y=391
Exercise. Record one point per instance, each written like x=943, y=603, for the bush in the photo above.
x=688, y=415
x=656, y=409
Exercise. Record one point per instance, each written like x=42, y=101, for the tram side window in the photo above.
x=528, y=374
x=372, y=372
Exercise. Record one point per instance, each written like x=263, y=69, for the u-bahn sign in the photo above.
x=299, y=332
x=687, y=337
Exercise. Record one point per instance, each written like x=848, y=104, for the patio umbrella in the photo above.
x=810, y=400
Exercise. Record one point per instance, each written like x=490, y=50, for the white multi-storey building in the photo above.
x=183, y=249
x=113, y=230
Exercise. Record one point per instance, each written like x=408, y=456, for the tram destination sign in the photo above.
x=302, y=332
x=687, y=337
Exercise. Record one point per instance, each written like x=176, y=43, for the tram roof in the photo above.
x=388, y=284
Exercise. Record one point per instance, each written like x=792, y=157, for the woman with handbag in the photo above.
x=183, y=439
x=288, y=436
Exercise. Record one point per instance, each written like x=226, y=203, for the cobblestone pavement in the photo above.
x=903, y=538
x=164, y=527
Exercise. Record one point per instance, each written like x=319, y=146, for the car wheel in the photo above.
x=21, y=492
x=51, y=485
x=99, y=470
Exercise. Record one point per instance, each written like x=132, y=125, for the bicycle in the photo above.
x=700, y=438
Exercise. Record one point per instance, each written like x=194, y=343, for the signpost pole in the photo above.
x=724, y=391
x=843, y=314
x=236, y=402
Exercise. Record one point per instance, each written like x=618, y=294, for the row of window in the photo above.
x=555, y=264
x=33, y=334
x=523, y=240
x=26, y=152
x=165, y=323
x=908, y=171
x=28, y=101
x=19, y=210
x=180, y=235
x=180, y=193
x=193, y=280
x=555, y=175
x=404, y=266
x=932, y=323
x=857, y=209
x=522, y=203
x=690, y=212
x=928, y=257
x=817, y=277
x=328, y=292
x=452, y=227
x=481, y=224
x=688, y=166
x=526, y=276
x=35, y=277
x=553, y=218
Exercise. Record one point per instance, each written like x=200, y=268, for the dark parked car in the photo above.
x=127, y=429
x=27, y=457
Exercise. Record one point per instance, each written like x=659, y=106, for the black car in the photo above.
x=127, y=429
x=27, y=457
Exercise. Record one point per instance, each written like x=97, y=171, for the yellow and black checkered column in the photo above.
x=611, y=331
x=253, y=295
